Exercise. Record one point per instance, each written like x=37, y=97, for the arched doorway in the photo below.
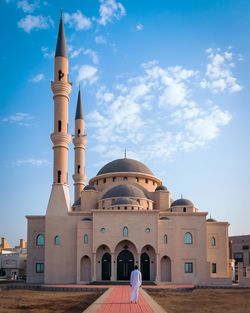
x=145, y=266
x=165, y=269
x=106, y=266
x=125, y=265
x=85, y=269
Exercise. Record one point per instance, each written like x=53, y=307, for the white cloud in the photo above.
x=139, y=26
x=219, y=77
x=110, y=10
x=31, y=22
x=27, y=6
x=31, y=161
x=77, y=20
x=37, y=78
x=19, y=118
x=89, y=52
x=47, y=53
x=100, y=40
x=179, y=121
x=87, y=74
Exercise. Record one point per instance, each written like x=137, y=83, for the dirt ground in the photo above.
x=204, y=301
x=28, y=301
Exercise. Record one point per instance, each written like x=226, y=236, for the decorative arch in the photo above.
x=85, y=268
x=188, y=238
x=57, y=240
x=125, y=231
x=148, y=262
x=165, y=269
x=101, y=254
x=40, y=240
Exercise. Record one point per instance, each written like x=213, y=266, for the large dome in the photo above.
x=182, y=202
x=127, y=190
x=125, y=165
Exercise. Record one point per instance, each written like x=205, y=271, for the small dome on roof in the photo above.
x=160, y=188
x=124, y=166
x=211, y=220
x=89, y=187
x=182, y=202
x=127, y=190
x=125, y=200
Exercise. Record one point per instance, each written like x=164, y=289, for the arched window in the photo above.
x=125, y=231
x=188, y=239
x=40, y=240
x=213, y=241
x=57, y=240
x=165, y=238
x=59, y=174
x=78, y=169
x=78, y=132
x=85, y=238
x=125, y=178
x=184, y=210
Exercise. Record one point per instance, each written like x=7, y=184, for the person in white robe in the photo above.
x=135, y=283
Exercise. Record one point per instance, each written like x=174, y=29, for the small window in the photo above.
x=146, y=181
x=78, y=169
x=245, y=247
x=103, y=230
x=39, y=267
x=147, y=230
x=238, y=257
x=104, y=180
x=137, y=179
x=96, y=182
x=40, y=240
x=78, y=132
x=85, y=238
x=184, y=210
x=125, y=231
x=60, y=75
x=59, y=175
x=59, y=126
x=125, y=178
x=188, y=239
x=125, y=208
x=114, y=179
x=57, y=240
x=188, y=267
x=213, y=268
x=213, y=242
x=165, y=238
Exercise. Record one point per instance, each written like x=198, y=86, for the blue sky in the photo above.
x=168, y=80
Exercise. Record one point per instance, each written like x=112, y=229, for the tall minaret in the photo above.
x=79, y=143
x=61, y=89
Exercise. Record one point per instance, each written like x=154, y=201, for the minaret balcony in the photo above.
x=60, y=139
x=79, y=141
x=61, y=88
x=79, y=178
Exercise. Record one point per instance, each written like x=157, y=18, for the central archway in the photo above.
x=125, y=265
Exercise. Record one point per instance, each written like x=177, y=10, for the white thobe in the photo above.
x=135, y=282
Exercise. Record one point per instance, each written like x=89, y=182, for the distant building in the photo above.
x=13, y=260
x=122, y=217
x=240, y=249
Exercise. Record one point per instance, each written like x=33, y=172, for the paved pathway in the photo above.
x=117, y=300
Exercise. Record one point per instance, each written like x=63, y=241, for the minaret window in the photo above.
x=59, y=174
x=59, y=126
x=78, y=132
x=165, y=238
x=78, y=169
x=213, y=242
x=60, y=75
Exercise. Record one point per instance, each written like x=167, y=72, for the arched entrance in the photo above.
x=106, y=266
x=125, y=265
x=85, y=269
x=145, y=266
x=165, y=269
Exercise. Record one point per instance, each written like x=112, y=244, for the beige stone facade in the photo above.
x=123, y=217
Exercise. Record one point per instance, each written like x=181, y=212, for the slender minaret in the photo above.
x=79, y=143
x=61, y=89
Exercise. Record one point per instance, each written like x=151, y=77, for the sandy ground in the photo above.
x=204, y=301
x=27, y=301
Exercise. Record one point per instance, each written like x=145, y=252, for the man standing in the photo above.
x=135, y=283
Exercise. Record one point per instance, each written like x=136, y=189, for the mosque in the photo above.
x=123, y=217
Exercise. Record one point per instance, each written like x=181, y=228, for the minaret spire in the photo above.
x=61, y=48
x=79, y=143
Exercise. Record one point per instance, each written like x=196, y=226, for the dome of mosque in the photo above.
x=124, y=166
x=182, y=201
x=211, y=220
x=89, y=187
x=161, y=187
x=122, y=191
x=125, y=200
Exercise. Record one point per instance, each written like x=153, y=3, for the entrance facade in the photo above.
x=125, y=265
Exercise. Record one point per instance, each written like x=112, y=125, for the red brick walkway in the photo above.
x=118, y=301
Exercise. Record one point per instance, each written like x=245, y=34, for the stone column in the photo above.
x=113, y=267
x=94, y=267
x=158, y=268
